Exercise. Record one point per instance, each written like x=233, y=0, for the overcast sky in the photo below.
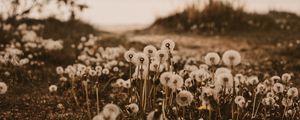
x=124, y=12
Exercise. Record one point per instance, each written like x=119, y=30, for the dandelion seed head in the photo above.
x=168, y=44
x=292, y=92
x=52, y=88
x=176, y=82
x=231, y=58
x=111, y=110
x=268, y=101
x=224, y=80
x=188, y=82
x=165, y=78
x=140, y=59
x=128, y=55
x=155, y=115
x=286, y=102
x=133, y=107
x=204, y=66
x=240, y=101
x=212, y=58
x=150, y=50
x=184, y=98
x=286, y=77
x=278, y=88
x=162, y=55
x=59, y=70
x=252, y=80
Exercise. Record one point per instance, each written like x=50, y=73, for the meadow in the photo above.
x=69, y=70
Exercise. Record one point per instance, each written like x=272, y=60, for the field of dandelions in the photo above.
x=158, y=82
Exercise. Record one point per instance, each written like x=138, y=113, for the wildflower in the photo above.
x=231, y=58
x=188, y=82
x=133, y=108
x=275, y=78
x=155, y=65
x=240, y=101
x=59, y=70
x=150, y=50
x=202, y=75
x=212, y=58
x=52, y=88
x=269, y=82
x=162, y=55
x=286, y=77
x=98, y=68
x=165, y=78
x=270, y=94
x=207, y=92
x=292, y=92
x=155, y=115
x=286, y=102
x=168, y=45
x=129, y=55
x=92, y=73
x=239, y=78
x=141, y=59
x=176, y=82
x=268, y=101
x=222, y=70
x=260, y=88
x=252, y=80
x=203, y=66
x=127, y=84
x=278, y=88
x=184, y=98
x=111, y=111
x=3, y=88
x=105, y=71
x=224, y=80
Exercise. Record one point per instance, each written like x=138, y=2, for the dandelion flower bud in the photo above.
x=133, y=108
x=292, y=92
x=176, y=82
x=111, y=111
x=3, y=88
x=184, y=98
x=129, y=55
x=231, y=58
x=168, y=45
x=150, y=50
x=52, y=88
x=240, y=101
x=59, y=70
x=212, y=58
x=165, y=78
x=278, y=88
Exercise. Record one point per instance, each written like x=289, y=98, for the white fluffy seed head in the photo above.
x=176, y=82
x=165, y=78
x=278, y=88
x=133, y=107
x=212, y=58
x=184, y=98
x=129, y=55
x=168, y=44
x=231, y=58
x=111, y=110
x=3, y=88
x=292, y=92
x=150, y=50
x=52, y=88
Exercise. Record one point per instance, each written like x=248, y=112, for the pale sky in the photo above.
x=127, y=12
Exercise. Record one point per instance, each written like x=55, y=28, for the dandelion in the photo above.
x=275, y=78
x=162, y=55
x=286, y=102
x=63, y=79
x=150, y=50
x=129, y=55
x=240, y=101
x=3, y=88
x=222, y=70
x=268, y=101
x=111, y=111
x=184, y=98
x=260, y=88
x=98, y=68
x=176, y=82
x=155, y=65
x=59, y=70
x=224, y=80
x=168, y=45
x=252, y=80
x=278, y=88
x=231, y=58
x=165, y=78
x=203, y=66
x=286, y=77
x=202, y=75
x=270, y=94
x=292, y=92
x=141, y=59
x=126, y=84
x=120, y=82
x=92, y=73
x=133, y=108
x=188, y=82
x=52, y=88
x=240, y=78
x=212, y=58
x=105, y=71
